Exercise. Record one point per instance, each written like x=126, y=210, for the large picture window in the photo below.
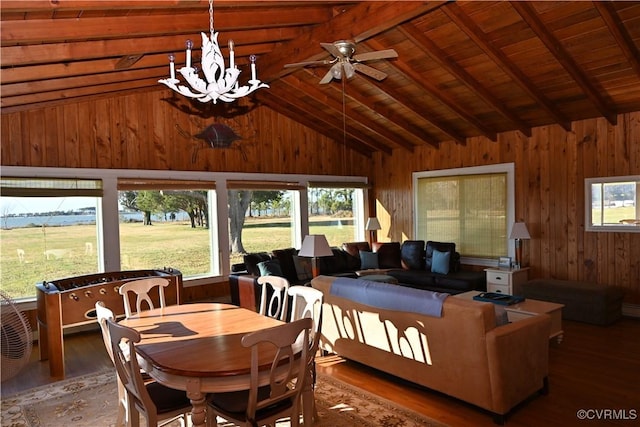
x=335, y=210
x=48, y=228
x=612, y=204
x=472, y=207
x=71, y=222
x=163, y=221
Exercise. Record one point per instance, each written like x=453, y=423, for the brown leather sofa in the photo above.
x=462, y=353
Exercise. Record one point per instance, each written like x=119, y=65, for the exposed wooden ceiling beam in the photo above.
x=97, y=66
x=430, y=48
x=529, y=15
x=334, y=121
x=103, y=28
x=352, y=116
x=410, y=74
x=391, y=116
x=358, y=23
x=77, y=51
x=466, y=24
x=620, y=33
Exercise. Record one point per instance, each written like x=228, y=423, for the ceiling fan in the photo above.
x=345, y=62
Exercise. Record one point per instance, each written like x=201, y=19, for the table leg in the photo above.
x=198, y=403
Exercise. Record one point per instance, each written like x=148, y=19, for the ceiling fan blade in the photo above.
x=378, y=54
x=307, y=63
x=369, y=71
x=332, y=49
x=327, y=78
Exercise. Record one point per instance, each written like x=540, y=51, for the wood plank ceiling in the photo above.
x=464, y=69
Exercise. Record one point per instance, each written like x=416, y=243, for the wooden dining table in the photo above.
x=197, y=348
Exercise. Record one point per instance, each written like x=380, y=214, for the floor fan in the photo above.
x=16, y=338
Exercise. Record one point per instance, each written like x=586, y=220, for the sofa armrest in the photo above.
x=518, y=355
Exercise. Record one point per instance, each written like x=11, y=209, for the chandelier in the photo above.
x=221, y=83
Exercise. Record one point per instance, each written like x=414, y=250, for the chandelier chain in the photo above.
x=211, y=17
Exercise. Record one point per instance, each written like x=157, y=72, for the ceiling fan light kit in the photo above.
x=345, y=62
x=221, y=83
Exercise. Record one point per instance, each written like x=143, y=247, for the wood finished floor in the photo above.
x=593, y=368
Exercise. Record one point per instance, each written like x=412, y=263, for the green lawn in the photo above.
x=165, y=244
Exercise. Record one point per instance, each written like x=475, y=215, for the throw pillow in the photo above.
x=368, y=260
x=303, y=267
x=440, y=262
x=270, y=268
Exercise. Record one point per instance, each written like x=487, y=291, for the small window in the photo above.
x=612, y=204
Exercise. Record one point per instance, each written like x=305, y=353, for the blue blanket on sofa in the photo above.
x=389, y=296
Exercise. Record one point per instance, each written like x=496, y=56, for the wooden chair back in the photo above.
x=141, y=288
x=103, y=314
x=277, y=304
x=288, y=369
x=153, y=400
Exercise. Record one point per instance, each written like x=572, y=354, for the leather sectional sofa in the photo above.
x=463, y=353
x=409, y=263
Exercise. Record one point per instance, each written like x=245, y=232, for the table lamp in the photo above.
x=519, y=232
x=314, y=246
x=372, y=225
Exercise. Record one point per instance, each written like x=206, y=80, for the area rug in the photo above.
x=91, y=401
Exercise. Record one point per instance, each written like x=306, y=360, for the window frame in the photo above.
x=588, y=205
x=508, y=168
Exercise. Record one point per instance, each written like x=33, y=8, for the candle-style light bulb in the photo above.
x=172, y=66
x=189, y=44
x=232, y=63
x=253, y=58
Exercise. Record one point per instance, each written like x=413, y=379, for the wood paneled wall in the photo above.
x=550, y=168
x=144, y=131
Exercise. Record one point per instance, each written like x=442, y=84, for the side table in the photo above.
x=506, y=281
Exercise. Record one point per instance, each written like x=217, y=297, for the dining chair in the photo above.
x=141, y=288
x=274, y=289
x=307, y=302
x=102, y=314
x=157, y=403
x=264, y=403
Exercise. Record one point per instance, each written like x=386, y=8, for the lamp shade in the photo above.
x=519, y=231
x=315, y=245
x=372, y=224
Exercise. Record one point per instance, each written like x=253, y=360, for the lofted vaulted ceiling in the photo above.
x=464, y=69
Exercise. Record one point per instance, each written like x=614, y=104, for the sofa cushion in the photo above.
x=285, y=257
x=368, y=260
x=388, y=254
x=270, y=268
x=354, y=248
x=412, y=254
x=414, y=278
x=337, y=263
x=251, y=262
x=440, y=262
x=454, y=261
